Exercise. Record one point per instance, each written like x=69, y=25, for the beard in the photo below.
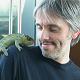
x=53, y=54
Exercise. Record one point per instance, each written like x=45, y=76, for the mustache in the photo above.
x=52, y=42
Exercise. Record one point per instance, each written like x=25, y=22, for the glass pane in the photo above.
x=4, y=18
x=18, y=6
x=5, y=15
x=15, y=16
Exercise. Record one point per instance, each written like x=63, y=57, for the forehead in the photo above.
x=43, y=19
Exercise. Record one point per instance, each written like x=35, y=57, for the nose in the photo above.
x=44, y=35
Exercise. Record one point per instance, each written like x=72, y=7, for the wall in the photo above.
x=75, y=54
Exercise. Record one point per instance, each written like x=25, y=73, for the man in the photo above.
x=58, y=28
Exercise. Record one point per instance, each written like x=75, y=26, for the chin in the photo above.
x=56, y=54
x=50, y=55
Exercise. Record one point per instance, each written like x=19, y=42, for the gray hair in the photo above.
x=68, y=10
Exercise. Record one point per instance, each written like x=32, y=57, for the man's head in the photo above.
x=57, y=26
x=68, y=10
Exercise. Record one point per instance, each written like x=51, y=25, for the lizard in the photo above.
x=14, y=39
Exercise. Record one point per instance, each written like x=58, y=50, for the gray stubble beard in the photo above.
x=53, y=55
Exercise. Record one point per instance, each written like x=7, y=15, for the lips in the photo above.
x=45, y=45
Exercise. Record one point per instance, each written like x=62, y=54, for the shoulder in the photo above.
x=9, y=65
x=7, y=62
x=8, y=59
x=15, y=56
x=76, y=70
x=12, y=50
x=75, y=67
x=14, y=53
x=35, y=48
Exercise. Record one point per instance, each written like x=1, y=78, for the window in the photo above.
x=10, y=16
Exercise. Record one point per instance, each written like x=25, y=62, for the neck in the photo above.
x=65, y=58
x=62, y=60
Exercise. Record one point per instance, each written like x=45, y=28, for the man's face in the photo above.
x=54, y=36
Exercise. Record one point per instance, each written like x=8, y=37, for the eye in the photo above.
x=54, y=29
x=39, y=27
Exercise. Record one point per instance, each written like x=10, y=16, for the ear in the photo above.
x=75, y=34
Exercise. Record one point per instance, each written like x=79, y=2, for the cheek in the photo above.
x=38, y=34
x=59, y=39
x=55, y=36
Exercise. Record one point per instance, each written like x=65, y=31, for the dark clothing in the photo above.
x=29, y=64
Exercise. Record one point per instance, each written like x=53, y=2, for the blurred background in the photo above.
x=16, y=16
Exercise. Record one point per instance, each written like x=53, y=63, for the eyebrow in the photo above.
x=52, y=25
x=37, y=24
